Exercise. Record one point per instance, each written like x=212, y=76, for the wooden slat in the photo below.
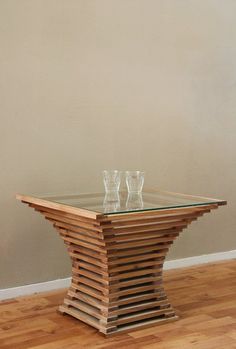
x=87, y=251
x=142, y=315
x=137, y=258
x=129, y=309
x=68, y=233
x=88, y=309
x=136, y=266
x=153, y=241
x=140, y=272
x=127, y=222
x=88, y=223
x=87, y=299
x=147, y=228
x=154, y=213
x=139, y=250
x=61, y=207
x=91, y=275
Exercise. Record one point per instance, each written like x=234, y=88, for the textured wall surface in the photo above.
x=130, y=84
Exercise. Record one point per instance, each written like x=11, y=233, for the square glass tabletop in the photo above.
x=122, y=202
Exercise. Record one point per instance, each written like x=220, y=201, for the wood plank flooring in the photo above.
x=204, y=297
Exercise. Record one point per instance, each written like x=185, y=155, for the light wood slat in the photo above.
x=90, y=267
x=89, y=282
x=61, y=207
x=87, y=299
x=133, y=290
x=81, y=257
x=141, y=272
x=148, y=228
x=71, y=224
x=158, y=232
x=139, y=250
x=80, y=315
x=90, y=291
x=81, y=242
x=88, y=309
x=80, y=261
x=154, y=213
x=158, y=294
x=135, y=237
x=144, y=324
x=140, y=243
x=147, y=256
x=76, y=229
x=149, y=220
x=137, y=265
x=141, y=316
x=137, y=281
x=91, y=275
x=88, y=252
x=137, y=307
x=68, y=233
x=88, y=223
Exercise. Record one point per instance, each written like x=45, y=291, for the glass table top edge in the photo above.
x=53, y=199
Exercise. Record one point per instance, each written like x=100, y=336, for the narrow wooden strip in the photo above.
x=90, y=260
x=136, y=266
x=155, y=213
x=134, y=282
x=62, y=207
x=90, y=275
x=140, y=235
x=139, y=250
x=148, y=228
x=133, y=290
x=147, y=256
x=77, y=229
x=87, y=299
x=158, y=232
x=90, y=267
x=88, y=252
x=142, y=325
x=143, y=315
x=72, y=224
x=90, y=291
x=82, y=243
x=140, y=243
x=87, y=281
x=90, y=224
x=137, y=307
x=134, y=298
x=88, y=309
x=141, y=272
x=78, y=314
x=82, y=237
x=129, y=222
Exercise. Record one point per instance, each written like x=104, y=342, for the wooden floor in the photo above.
x=203, y=296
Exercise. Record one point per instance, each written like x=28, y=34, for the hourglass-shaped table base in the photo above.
x=117, y=262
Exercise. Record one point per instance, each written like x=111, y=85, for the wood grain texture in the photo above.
x=117, y=263
x=204, y=296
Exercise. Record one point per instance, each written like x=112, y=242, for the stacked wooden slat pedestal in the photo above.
x=117, y=263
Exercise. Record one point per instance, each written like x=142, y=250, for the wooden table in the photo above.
x=118, y=244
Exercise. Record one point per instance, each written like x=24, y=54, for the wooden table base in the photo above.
x=117, y=263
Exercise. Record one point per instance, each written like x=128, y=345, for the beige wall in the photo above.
x=93, y=84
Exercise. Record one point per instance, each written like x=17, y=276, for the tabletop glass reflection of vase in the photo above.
x=134, y=201
x=111, y=202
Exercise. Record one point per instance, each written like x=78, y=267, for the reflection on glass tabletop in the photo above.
x=121, y=202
